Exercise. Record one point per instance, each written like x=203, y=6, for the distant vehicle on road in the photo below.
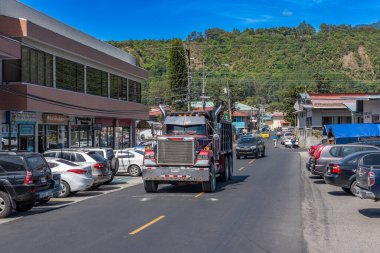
x=265, y=134
x=74, y=177
x=368, y=177
x=25, y=178
x=130, y=161
x=252, y=146
x=286, y=136
x=342, y=173
x=333, y=153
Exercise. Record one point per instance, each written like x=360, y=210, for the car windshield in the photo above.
x=248, y=140
x=176, y=129
x=94, y=155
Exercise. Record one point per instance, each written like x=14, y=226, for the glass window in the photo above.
x=51, y=137
x=373, y=159
x=11, y=163
x=52, y=165
x=69, y=75
x=50, y=154
x=68, y=163
x=79, y=158
x=131, y=90
x=334, y=151
x=97, y=82
x=36, y=162
x=116, y=86
x=349, y=150
x=25, y=64
x=36, y=67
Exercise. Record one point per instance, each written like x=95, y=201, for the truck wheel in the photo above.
x=24, y=206
x=5, y=205
x=210, y=185
x=150, y=186
x=225, y=175
x=230, y=167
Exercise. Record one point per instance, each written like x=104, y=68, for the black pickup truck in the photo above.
x=25, y=178
x=368, y=177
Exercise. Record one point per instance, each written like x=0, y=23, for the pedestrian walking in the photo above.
x=293, y=140
x=275, y=140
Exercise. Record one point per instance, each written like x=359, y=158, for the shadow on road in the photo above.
x=54, y=202
x=196, y=188
x=321, y=181
x=370, y=212
x=314, y=177
x=339, y=193
x=106, y=188
x=87, y=194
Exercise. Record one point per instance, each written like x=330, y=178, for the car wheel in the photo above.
x=44, y=200
x=24, y=206
x=110, y=180
x=65, y=192
x=225, y=175
x=347, y=190
x=263, y=153
x=210, y=185
x=134, y=171
x=150, y=186
x=5, y=205
x=352, y=188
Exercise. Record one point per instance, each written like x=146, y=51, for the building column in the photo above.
x=108, y=84
x=85, y=79
x=133, y=133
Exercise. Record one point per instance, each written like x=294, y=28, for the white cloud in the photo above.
x=287, y=13
x=262, y=19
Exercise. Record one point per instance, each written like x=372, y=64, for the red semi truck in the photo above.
x=196, y=147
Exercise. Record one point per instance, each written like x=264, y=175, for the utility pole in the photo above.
x=203, y=96
x=187, y=48
x=229, y=101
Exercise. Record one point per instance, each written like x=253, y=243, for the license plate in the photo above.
x=174, y=170
x=43, y=180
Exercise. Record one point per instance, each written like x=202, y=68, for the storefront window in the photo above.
x=26, y=137
x=70, y=75
x=9, y=139
x=81, y=136
x=107, y=137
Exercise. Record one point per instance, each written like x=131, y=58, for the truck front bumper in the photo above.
x=185, y=174
x=364, y=194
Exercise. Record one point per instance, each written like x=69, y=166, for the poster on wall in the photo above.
x=26, y=130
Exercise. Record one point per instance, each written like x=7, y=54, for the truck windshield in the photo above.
x=176, y=129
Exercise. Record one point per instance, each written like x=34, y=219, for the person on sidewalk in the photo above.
x=275, y=140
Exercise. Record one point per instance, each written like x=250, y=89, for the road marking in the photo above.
x=145, y=199
x=147, y=225
x=252, y=161
x=242, y=168
x=213, y=199
x=199, y=194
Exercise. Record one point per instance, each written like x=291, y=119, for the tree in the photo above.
x=177, y=75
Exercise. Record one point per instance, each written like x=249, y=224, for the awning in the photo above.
x=347, y=133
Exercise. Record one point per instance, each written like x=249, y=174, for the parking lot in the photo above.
x=335, y=221
x=119, y=183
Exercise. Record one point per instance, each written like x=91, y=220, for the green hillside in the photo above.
x=268, y=65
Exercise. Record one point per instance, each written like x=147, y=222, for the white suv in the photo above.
x=101, y=172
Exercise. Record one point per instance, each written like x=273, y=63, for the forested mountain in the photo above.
x=268, y=65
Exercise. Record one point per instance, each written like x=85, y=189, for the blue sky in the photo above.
x=166, y=19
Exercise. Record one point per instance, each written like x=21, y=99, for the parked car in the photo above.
x=372, y=143
x=368, y=177
x=25, y=178
x=108, y=154
x=286, y=136
x=342, y=173
x=101, y=172
x=333, y=153
x=253, y=146
x=312, y=150
x=130, y=161
x=74, y=177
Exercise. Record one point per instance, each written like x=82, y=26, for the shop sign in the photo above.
x=21, y=117
x=51, y=118
x=83, y=121
x=26, y=130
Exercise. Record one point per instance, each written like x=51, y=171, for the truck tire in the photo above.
x=230, y=167
x=210, y=185
x=150, y=186
x=225, y=175
x=5, y=205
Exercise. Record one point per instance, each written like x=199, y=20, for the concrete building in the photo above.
x=316, y=110
x=60, y=87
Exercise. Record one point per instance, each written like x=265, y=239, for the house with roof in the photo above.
x=316, y=110
x=368, y=105
x=275, y=120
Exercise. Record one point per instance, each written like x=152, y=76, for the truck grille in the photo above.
x=175, y=152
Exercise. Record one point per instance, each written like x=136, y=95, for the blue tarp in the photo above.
x=348, y=133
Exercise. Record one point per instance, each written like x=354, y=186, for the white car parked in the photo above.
x=130, y=161
x=73, y=176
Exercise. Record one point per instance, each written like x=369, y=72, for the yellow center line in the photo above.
x=242, y=168
x=252, y=161
x=147, y=225
x=199, y=194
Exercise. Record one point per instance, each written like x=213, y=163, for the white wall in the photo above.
x=371, y=109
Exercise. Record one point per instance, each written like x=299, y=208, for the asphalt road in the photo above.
x=259, y=211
